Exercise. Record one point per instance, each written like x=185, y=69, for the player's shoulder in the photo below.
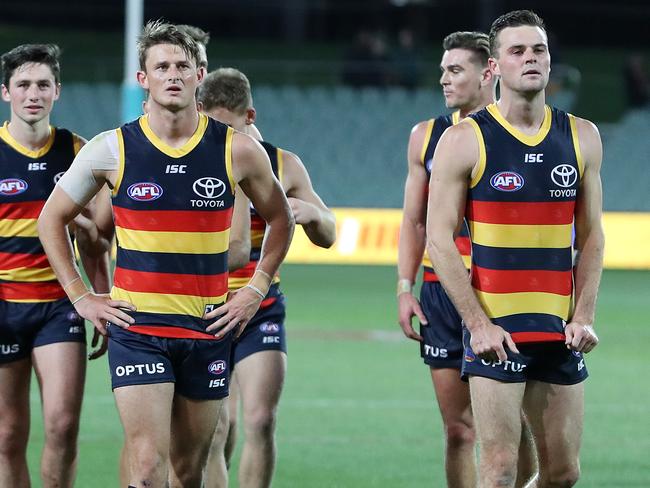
x=585, y=127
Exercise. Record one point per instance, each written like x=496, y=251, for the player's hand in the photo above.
x=581, y=338
x=487, y=342
x=303, y=212
x=236, y=312
x=100, y=309
x=408, y=306
x=99, y=351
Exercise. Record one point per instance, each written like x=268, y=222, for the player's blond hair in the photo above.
x=226, y=88
x=159, y=32
x=476, y=42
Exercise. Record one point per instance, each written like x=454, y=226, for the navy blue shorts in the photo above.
x=265, y=331
x=550, y=362
x=443, y=336
x=24, y=326
x=198, y=367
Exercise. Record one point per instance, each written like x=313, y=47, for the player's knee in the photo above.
x=61, y=430
x=564, y=477
x=459, y=435
x=147, y=463
x=13, y=441
x=260, y=423
x=501, y=463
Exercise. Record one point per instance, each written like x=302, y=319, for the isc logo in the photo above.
x=144, y=192
x=534, y=158
x=176, y=168
x=12, y=186
x=507, y=181
x=219, y=382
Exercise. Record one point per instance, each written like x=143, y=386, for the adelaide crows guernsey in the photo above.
x=26, y=180
x=520, y=212
x=435, y=128
x=172, y=209
x=241, y=277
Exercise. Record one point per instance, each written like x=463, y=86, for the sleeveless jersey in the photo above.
x=520, y=211
x=241, y=277
x=26, y=180
x=435, y=128
x=172, y=209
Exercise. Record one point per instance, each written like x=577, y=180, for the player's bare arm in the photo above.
x=239, y=248
x=251, y=170
x=316, y=219
x=454, y=164
x=412, y=235
x=590, y=241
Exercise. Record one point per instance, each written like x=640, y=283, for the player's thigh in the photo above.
x=14, y=400
x=193, y=423
x=453, y=396
x=260, y=378
x=555, y=413
x=233, y=397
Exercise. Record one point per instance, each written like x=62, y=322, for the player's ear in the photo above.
x=494, y=66
x=141, y=76
x=5, y=94
x=199, y=106
x=486, y=76
x=251, y=115
x=57, y=91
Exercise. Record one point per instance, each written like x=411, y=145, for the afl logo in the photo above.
x=507, y=181
x=270, y=328
x=209, y=187
x=58, y=176
x=217, y=367
x=144, y=192
x=564, y=175
x=12, y=186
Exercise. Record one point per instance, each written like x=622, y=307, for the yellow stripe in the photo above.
x=18, y=228
x=120, y=162
x=6, y=136
x=526, y=236
x=504, y=304
x=76, y=143
x=280, y=154
x=167, y=303
x=576, y=144
x=533, y=140
x=482, y=158
x=455, y=117
x=257, y=237
x=173, y=242
x=174, y=152
x=28, y=274
x=427, y=138
x=467, y=261
x=31, y=300
x=228, y=158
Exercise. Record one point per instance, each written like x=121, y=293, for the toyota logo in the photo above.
x=564, y=175
x=58, y=176
x=209, y=187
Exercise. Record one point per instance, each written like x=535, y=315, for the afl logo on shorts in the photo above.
x=209, y=187
x=144, y=192
x=12, y=186
x=507, y=181
x=217, y=367
x=270, y=328
x=469, y=355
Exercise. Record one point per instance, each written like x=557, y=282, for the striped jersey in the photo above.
x=26, y=180
x=172, y=209
x=435, y=128
x=520, y=213
x=241, y=277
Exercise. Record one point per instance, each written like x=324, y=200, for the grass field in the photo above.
x=358, y=409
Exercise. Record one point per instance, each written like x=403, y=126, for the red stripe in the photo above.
x=533, y=280
x=464, y=246
x=49, y=290
x=21, y=210
x=268, y=302
x=169, y=331
x=170, y=283
x=173, y=220
x=23, y=260
x=428, y=276
x=245, y=272
x=258, y=223
x=523, y=337
x=525, y=213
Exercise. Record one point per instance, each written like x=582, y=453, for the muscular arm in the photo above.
x=308, y=209
x=590, y=240
x=239, y=249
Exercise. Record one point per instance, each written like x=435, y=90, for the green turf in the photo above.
x=358, y=409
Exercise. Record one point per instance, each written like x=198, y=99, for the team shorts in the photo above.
x=265, y=331
x=199, y=367
x=24, y=326
x=550, y=362
x=443, y=335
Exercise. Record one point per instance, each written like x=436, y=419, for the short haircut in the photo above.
x=226, y=88
x=47, y=54
x=476, y=42
x=196, y=33
x=515, y=18
x=159, y=32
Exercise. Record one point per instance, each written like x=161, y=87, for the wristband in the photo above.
x=84, y=295
x=404, y=286
x=76, y=289
x=261, y=281
x=264, y=273
x=255, y=289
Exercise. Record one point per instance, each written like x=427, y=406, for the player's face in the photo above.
x=523, y=62
x=461, y=78
x=233, y=119
x=31, y=92
x=171, y=77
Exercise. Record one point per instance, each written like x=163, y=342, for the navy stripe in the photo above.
x=522, y=258
x=530, y=322
x=172, y=320
x=160, y=262
x=23, y=245
x=256, y=252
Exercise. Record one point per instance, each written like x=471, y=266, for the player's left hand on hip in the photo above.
x=236, y=312
x=99, y=351
x=581, y=338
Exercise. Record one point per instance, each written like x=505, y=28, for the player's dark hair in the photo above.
x=159, y=32
x=226, y=88
x=515, y=18
x=476, y=42
x=47, y=54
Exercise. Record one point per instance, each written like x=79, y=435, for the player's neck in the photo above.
x=525, y=113
x=174, y=128
x=31, y=136
x=475, y=107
